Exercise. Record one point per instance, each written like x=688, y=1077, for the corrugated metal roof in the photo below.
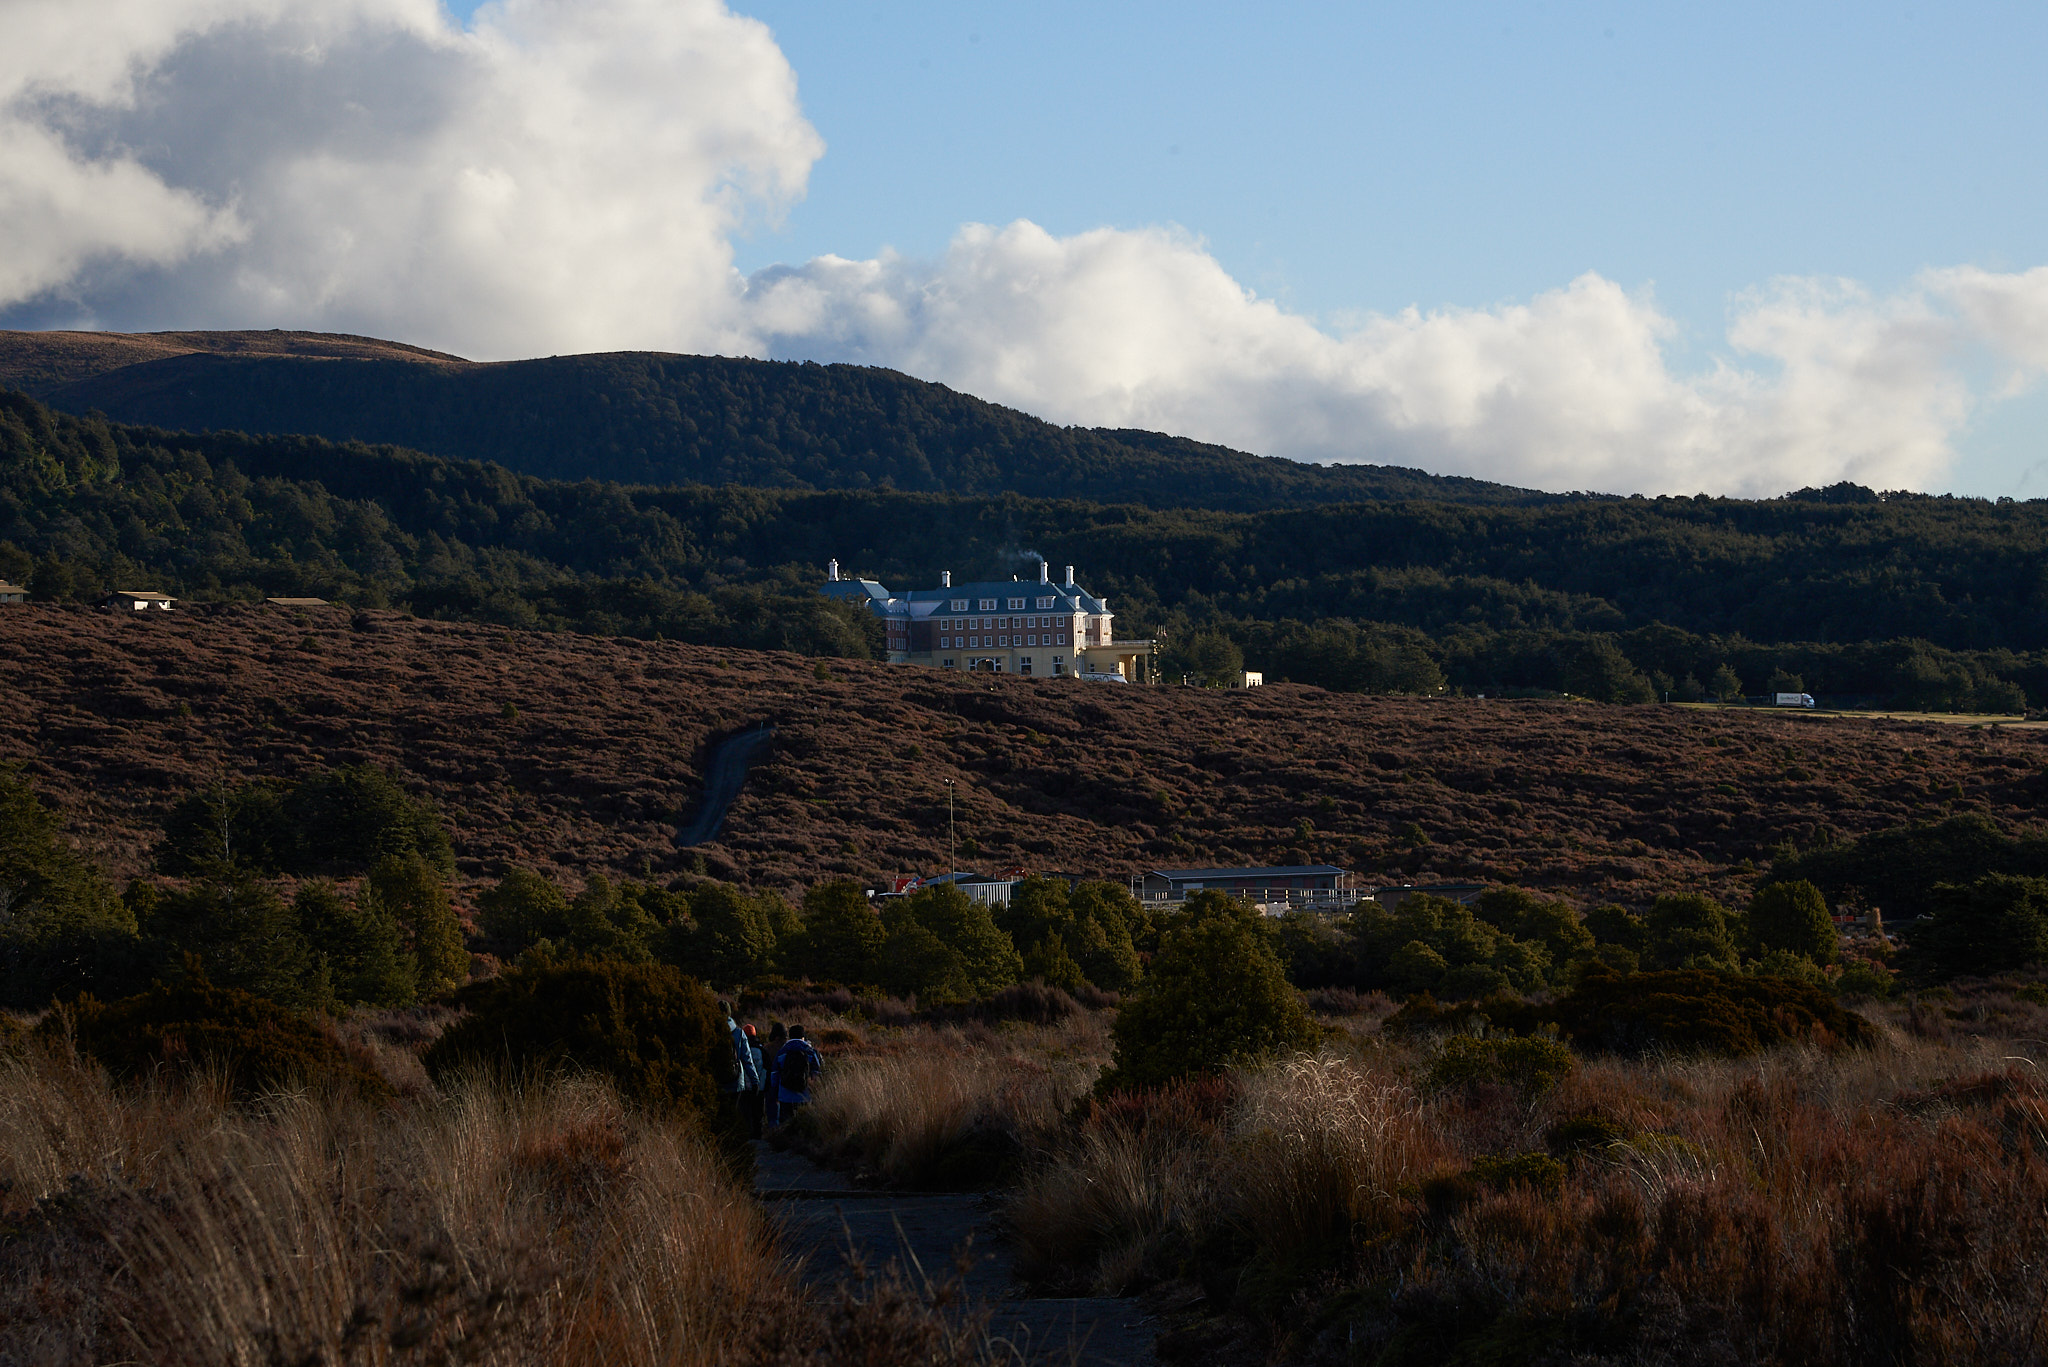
x=922, y=603
x=1291, y=871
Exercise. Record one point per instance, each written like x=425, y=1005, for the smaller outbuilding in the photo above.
x=137, y=600
x=296, y=602
x=12, y=593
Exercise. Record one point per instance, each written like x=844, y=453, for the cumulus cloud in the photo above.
x=569, y=175
x=1818, y=380
x=563, y=175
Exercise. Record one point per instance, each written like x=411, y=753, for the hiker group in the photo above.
x=773, y=1077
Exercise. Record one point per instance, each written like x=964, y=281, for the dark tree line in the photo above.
x=1906, y=600
x=647, y=418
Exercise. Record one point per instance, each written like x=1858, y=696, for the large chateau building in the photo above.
x=1012, y=626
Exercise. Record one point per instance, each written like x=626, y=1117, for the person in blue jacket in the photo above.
x=753, y=1103
x=797, y=1066
x=746, y=1073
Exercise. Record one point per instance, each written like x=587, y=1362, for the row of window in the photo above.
x=1011, y=605
x=995, y=666
x=989, y=642
x=995, y=623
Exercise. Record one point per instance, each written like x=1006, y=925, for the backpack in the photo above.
x=796, y=1068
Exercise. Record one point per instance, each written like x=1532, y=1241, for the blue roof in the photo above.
x=1220, y=875
x=921, y=603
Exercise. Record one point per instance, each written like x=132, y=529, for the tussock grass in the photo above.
x=1888, y=1204
x=481, y=1223
x=945, y=1113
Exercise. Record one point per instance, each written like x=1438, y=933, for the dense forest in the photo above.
x=1906, y=599
x=649, y=418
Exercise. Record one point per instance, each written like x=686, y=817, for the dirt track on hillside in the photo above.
x=118, y=718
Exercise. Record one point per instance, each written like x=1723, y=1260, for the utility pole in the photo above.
x=952, y=860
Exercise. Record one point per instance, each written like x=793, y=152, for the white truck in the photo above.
x=1791, y=699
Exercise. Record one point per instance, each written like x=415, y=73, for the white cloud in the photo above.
x=568, y=175
x=1572, y=389
x=565, y=175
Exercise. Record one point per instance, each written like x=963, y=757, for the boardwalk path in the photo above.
x=817, y=1220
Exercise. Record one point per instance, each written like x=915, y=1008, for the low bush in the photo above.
x=1213, y=998
x=1578, y=1134
x=250, y=1044
x=1531, y=1064
x=657, y=1035
x=1692, y=1011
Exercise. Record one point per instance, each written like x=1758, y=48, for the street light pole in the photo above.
x=952, y=860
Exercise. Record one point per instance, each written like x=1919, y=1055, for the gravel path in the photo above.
x=821, y=1213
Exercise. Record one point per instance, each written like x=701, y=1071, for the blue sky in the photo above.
x=1343, y=158
x=1739, y=248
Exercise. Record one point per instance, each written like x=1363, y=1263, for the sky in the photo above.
x=1741, y=248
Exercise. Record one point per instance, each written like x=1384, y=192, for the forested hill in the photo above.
x=649, y=418
x=1929, y=602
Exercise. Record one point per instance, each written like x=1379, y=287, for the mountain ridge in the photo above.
x=656, y=418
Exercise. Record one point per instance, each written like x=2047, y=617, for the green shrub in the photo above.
x=1537, y=1171
x=360, y=945
x=254, y=1044
x=332, y=821
x=1214, y=996
x=1995, y=924
x=842, y=935
x=523, y=909
x=1582, y=1134
x=1793, y=917
x=656, y=1034
x=408, y=890
x=1688, y=930
x=1531, y=1064
x=1049, y=962
x=63, y=929
x=1689, y=1011
x=240, y=934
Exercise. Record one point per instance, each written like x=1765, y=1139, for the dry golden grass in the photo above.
x=481, y=1224
x=1876, y=1205
x=946, y=1106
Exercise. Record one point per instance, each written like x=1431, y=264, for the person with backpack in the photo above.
x=753, y=1103
x=777, y=1037
x=797, y=1066
x=746, y=1075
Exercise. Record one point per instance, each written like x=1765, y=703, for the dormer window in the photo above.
x=988, y=605
x=957, y=605
x=1045, y=603
x=1016, y=605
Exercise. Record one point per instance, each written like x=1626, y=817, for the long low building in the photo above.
x=1014, y=626
x=1304, y=885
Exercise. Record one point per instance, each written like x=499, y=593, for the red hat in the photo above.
x=748, y=1029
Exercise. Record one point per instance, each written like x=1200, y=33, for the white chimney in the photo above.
x=945, y=579
x=1070, y=576
x=1044, y=573
x=832, y=571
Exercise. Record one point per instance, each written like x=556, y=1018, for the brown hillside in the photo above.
x=116, y=718
x=40, y=362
